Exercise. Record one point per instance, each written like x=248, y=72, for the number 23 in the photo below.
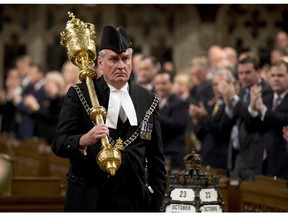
x=182, y=193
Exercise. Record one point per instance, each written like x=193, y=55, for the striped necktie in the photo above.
x=276, y=103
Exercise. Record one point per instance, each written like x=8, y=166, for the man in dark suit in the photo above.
x=7, y=108
x=46, y=114
x=242, y=147
x=34, y=89
x=268, y=116
x=131, y=110
x=214, y=135
x=148, y=68
x=201, y=90
x=173, y=118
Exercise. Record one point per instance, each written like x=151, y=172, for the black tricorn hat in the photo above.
x=115, y=39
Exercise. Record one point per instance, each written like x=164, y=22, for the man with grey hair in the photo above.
x=201, y=78
x=132, y=115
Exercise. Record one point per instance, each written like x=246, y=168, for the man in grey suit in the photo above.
x=241, y=152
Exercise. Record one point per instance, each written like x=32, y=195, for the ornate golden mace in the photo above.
x=79, y=40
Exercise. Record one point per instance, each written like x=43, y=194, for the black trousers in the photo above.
x=123, y=192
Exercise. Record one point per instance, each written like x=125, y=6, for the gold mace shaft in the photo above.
x=81, y=50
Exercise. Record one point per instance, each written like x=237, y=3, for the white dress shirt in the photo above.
x=120, y=98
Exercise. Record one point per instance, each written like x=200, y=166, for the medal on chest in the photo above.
x=146, y=131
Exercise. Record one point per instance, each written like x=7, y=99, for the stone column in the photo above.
x=186, y=37
x=37, y=45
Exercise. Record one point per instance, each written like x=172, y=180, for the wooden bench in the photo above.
x=265, y=194
x=58, y=167
x=30, y=158
x=37, y=194
x=34, y=158
x=35, y=186
x=7, y=143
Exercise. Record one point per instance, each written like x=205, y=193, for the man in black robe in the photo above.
x=77, y=138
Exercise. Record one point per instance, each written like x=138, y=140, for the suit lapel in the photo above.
x=268, y=101
x=283, y=104
x=167, y=107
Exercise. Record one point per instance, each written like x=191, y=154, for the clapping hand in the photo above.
x=256, y=102
x=3, y=97
x=227, y=91
x=285, y=133
x=197, y=112
x=31, y=103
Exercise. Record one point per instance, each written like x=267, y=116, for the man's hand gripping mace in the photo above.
x=79, y=40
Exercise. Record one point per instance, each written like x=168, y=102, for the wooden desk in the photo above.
x=265, y=194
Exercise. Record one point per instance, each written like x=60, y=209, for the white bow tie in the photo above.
x=117, y=99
